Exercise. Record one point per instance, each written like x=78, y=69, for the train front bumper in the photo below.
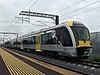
x=84, y=51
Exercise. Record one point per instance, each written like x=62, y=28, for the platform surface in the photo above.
x=14, y=63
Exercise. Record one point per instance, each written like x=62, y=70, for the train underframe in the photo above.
x=80, y=53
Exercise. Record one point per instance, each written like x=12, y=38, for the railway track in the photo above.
x=82, y=67
x=90, y=63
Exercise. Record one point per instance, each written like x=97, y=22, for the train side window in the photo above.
x=44, y=38
x=50, y=39
x=24, y=41
x=34, y=39
x=50, y=36
x=63, y=36
x=27, y=40
x=15, y=43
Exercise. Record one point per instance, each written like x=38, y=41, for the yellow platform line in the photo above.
x=16, y=66
x=49, y=66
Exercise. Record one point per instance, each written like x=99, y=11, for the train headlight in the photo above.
x=88, y=51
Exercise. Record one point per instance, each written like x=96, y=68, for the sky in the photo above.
x=66, y=9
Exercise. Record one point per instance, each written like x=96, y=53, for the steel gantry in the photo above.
x=9, y=33
x=43, y=15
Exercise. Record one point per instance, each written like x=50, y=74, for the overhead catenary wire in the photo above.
x=13, y=25
x=10, y=24
x=31, y=23
x=81, y=13
x=33, y=4
x=70, y=6
x=26, y=4
x=59, y=11
x=47, y=21
x=81, y=8
x=22, y=10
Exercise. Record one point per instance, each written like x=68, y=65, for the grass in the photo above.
x=94, y=58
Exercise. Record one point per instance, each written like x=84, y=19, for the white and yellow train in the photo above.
x=70, y=39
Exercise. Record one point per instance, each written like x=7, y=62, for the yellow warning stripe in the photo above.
x=17, y=66
x=49, y=66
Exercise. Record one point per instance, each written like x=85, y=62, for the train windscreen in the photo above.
x=81, y=33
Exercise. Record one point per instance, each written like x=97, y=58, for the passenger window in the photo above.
x=64, y=36
x=44, y=38
x=48, y=38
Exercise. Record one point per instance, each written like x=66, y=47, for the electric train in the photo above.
x=69, y=39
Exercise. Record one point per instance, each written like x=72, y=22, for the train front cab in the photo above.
x=84, y=49
x=82, y=39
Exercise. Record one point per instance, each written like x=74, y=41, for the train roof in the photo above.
x=68, y=23
x=75, y=24
x=43, y=30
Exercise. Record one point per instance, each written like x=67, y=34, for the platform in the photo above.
x=13, y=63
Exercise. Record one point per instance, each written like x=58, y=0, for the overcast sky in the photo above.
x=9, y=9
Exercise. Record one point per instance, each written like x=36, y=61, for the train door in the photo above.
x=38, y=42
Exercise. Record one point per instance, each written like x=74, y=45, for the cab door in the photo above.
x=38, y=42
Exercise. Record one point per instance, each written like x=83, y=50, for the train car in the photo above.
x=70, y=39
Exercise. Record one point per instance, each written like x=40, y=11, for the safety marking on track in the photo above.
x=49, y=66
x=17, y=66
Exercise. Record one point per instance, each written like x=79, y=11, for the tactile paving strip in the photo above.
x=16, y=66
